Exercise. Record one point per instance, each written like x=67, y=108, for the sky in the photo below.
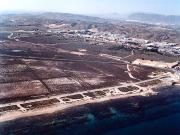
x=167, y=7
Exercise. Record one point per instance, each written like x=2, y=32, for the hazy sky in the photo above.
x=94, y=6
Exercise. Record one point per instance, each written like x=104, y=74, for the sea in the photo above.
x=139, y=115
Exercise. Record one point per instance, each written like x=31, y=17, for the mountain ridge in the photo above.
x=155, y=18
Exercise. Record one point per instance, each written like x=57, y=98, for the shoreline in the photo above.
x=113, y=93
x=60, y=107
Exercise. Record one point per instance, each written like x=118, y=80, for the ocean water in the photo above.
x=155, y=115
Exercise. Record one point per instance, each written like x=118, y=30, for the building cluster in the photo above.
x=100, y=37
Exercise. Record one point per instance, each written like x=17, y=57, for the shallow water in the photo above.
x=153, y=115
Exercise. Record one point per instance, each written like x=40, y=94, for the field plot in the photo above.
x=15, y=73
x=21, y=89
x=45, y=38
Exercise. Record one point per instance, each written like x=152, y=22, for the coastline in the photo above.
x=59, y=107
x=113, y=93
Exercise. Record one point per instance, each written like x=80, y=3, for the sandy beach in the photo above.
x=60, y=107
